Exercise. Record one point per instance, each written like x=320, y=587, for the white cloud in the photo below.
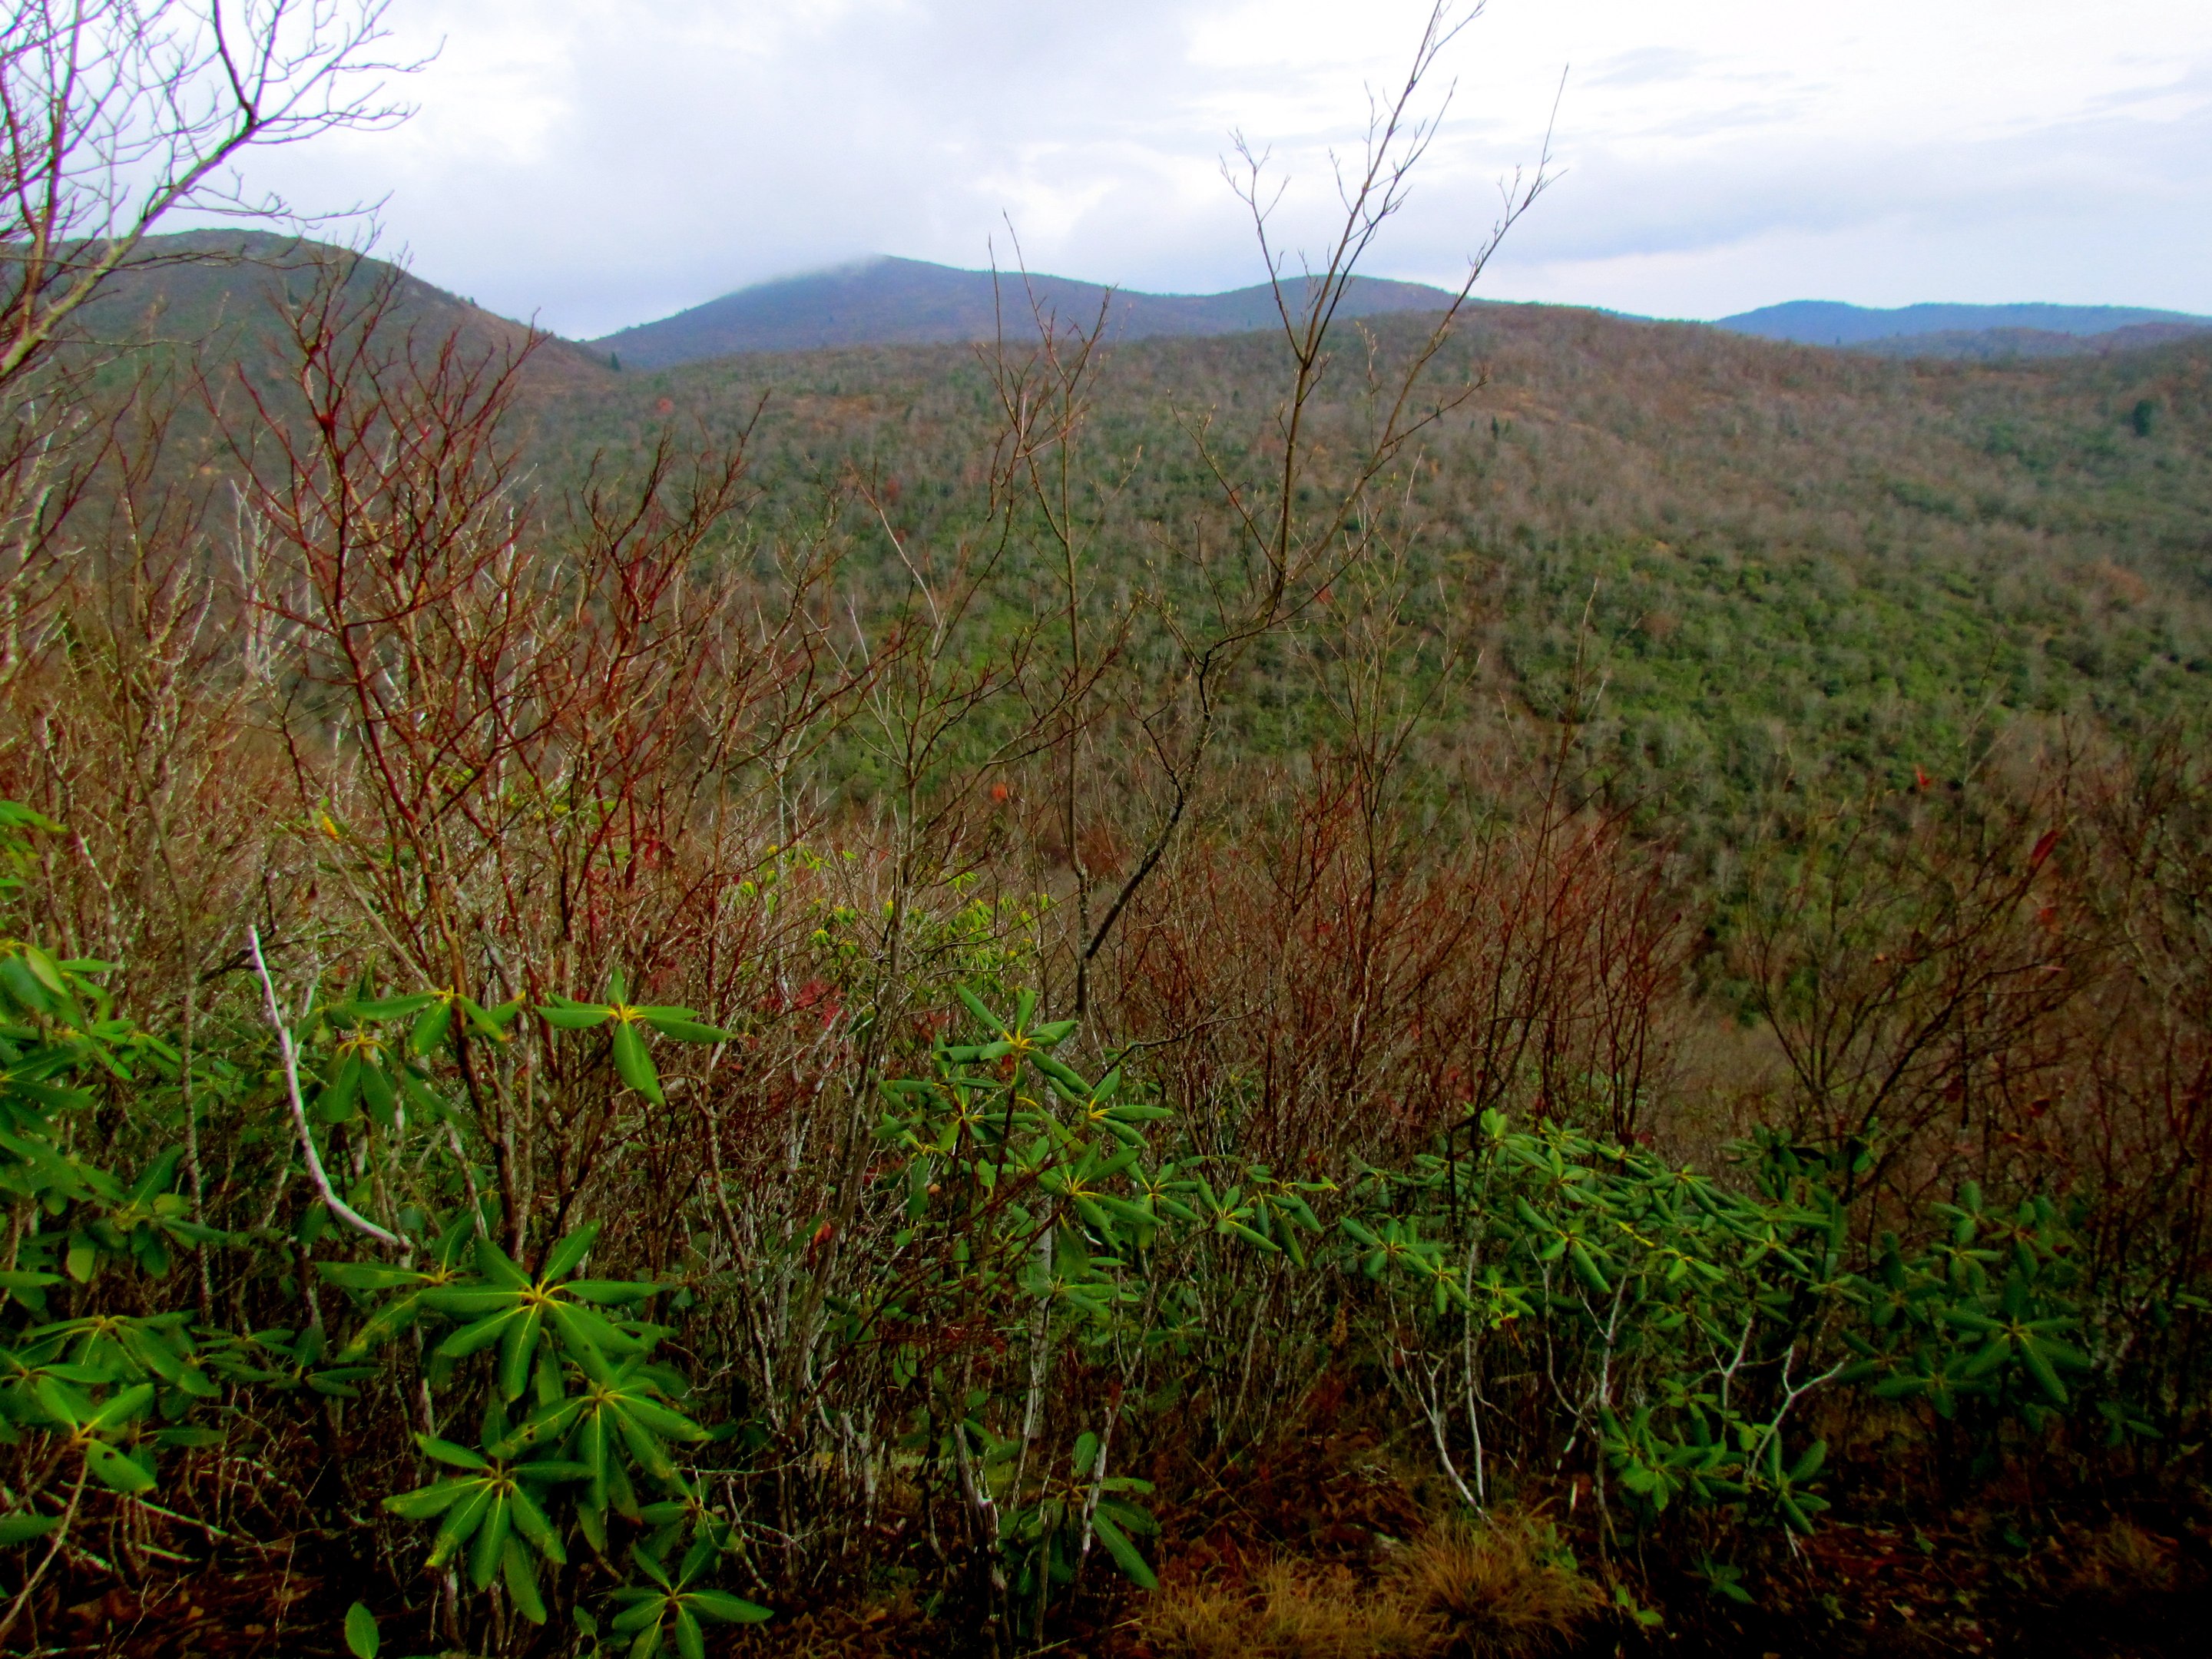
x=597, y=162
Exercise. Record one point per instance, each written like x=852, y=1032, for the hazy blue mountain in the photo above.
x=1993, y=344
x=1832, y=323
x=888, y=301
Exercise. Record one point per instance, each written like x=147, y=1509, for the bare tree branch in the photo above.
x=116, y=115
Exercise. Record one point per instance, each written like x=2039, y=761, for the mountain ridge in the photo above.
x=192, y=279
x=888, y=300
x=1836, y=323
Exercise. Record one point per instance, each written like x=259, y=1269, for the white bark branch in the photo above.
x=336, y=1205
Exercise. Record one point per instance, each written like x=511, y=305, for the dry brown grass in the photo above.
x=1502, y=1587
x=2123, y=1558
x=1494, y=1591
x=1292, y=1610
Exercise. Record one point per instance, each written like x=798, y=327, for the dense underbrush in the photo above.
x=928, y=1375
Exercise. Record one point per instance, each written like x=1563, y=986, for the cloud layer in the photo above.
x=599, y=162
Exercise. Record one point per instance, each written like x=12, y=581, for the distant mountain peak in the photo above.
x=886, y=299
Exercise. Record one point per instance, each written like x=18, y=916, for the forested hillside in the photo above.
x=1780, y=562
x=1784, y=565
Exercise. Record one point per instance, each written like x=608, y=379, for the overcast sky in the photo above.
x=601, y=162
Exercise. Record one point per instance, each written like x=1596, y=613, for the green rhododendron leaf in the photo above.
x=362, y=1638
